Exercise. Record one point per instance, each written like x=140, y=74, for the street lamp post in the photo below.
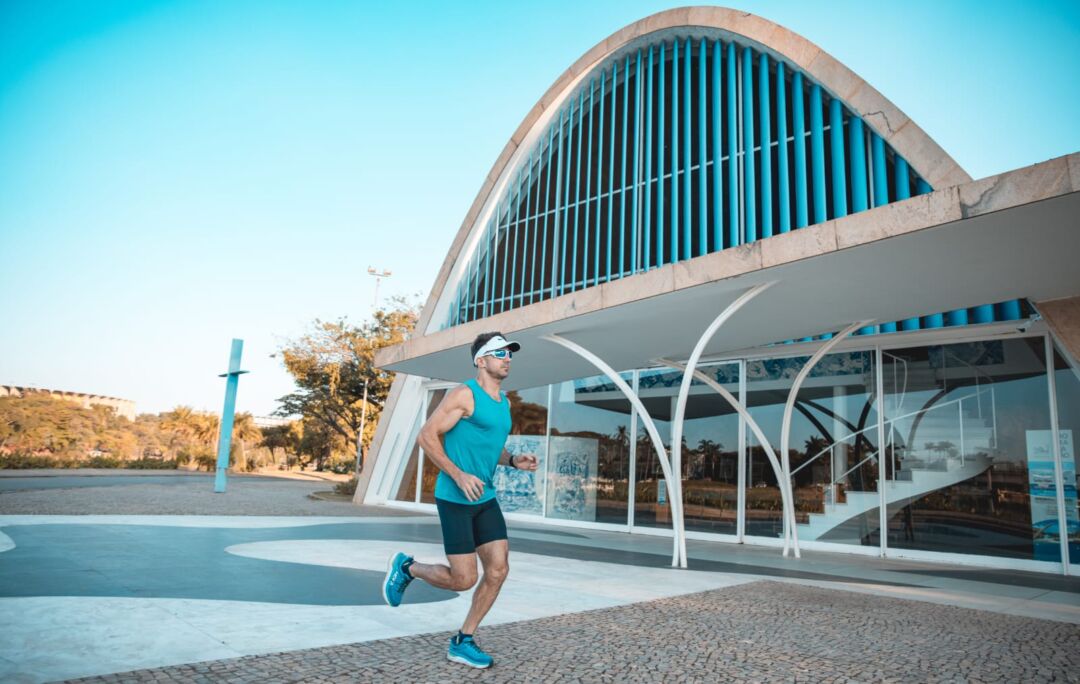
x=360, y=435
x=379, y=275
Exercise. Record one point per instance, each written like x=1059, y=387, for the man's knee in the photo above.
x=462, y=581
x=496, y=572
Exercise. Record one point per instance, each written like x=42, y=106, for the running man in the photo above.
x=474, y=421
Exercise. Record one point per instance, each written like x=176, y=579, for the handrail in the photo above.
x=890, y=420
x=903, y=394
x=873, y=455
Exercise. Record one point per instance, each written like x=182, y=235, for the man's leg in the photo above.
x=460, y=575
x=494, y=556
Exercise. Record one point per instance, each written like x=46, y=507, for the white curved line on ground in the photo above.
x=210, y=521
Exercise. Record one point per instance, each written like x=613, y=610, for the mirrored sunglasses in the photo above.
x=501, y=354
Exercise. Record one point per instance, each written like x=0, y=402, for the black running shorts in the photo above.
x=466, y=526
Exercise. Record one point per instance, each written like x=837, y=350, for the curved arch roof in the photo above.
x=925, y=157
x=954, y=247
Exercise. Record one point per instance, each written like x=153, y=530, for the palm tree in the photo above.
x=244, y=429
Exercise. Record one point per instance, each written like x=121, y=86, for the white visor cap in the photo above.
x=497, y=342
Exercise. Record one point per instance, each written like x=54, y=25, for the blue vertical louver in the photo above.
x=677, y=149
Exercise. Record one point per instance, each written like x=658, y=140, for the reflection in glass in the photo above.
x=588, y=463
x=1067, y=385
x=833, y=451
x=406, y=490
x=710, y=451
x=431, y=471
x=522, y=491
x=970, y=461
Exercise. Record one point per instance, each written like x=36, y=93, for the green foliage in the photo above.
x=348, y=487
x=330, y=366
x=39, y=431
x=25, y=461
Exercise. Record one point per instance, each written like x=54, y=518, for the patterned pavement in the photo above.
x=764, y=632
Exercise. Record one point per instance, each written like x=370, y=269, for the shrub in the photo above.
x=348, y=487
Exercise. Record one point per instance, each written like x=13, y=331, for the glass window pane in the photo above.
x=1067, y=382
x=589, y=464
x=833, y=451
x=431, y=471
x=522, y=491
x=710, y=459
x=970, y=466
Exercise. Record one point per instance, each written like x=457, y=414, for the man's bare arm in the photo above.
x=457, y=404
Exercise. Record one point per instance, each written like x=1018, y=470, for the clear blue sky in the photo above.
x=174, y=174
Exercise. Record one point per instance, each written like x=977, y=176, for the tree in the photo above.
x=285, y=437
x=330, y=366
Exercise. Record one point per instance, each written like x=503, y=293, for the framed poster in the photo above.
x=520, y=491
x=1045, y=523
x=571, y=488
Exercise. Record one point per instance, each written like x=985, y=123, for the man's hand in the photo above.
x=525, y=461
x=470, y=485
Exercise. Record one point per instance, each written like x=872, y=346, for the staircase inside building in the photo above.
x=945, y=442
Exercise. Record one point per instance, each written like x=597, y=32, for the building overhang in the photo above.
x=1011, y=236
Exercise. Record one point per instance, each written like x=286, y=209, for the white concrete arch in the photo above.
x=678, y=554
x=791, y=537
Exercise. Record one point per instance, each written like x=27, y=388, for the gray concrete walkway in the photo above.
x=758, y=632
x=294, y=596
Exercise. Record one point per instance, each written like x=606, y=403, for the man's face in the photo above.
x=499, y=368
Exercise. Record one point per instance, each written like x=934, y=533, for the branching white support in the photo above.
x=678, y=560
x=750, y=422
x=791, y=536
x=684, y=390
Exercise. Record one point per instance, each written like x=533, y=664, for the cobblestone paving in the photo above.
x=191, y=496
x=760, y=632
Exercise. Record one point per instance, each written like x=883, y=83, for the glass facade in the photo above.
x=958, y=450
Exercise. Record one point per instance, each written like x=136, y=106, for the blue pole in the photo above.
x=622, y=163
x=577, y=190
x=637, y=165
x=982, y=314
x=817, y=153
x=717, y=178
x=225, y=437
x=798, y=122
x=783, y=191
x=661, y=132
x=588, y=194
x=766, y=146
x=859, y=195
x=688, y=207
x=703, y=195
x=549, y=210
x=599, y=179
x=1010, y=310
x=647, y=217
x=611, y=171
x=749, y=171
x=675, y=151
x=836, y=147
x=732, y=129
x=566, y=149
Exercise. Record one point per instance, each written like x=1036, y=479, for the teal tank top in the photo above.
x=475, y=444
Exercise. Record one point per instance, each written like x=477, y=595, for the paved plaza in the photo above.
x=762, y=631
x=183, y=586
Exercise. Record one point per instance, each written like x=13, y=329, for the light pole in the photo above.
x=360, y=434
x=379, y=275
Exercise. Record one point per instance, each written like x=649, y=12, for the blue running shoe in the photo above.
x=468, y=653
x=396, y=581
